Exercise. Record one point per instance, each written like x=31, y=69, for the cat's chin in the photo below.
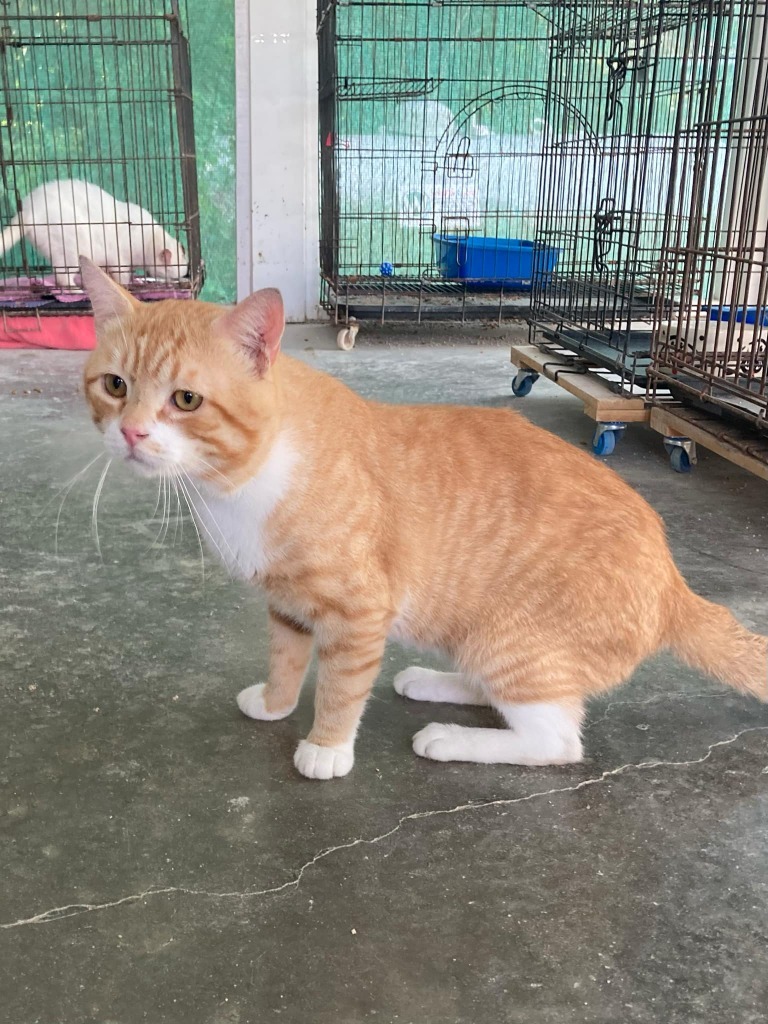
x=140, y=465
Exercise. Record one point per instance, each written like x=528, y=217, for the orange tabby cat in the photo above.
x=466, y=530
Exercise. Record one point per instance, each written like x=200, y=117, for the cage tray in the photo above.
x=20, y=292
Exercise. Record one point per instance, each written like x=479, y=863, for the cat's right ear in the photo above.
x=256, y=324
x=109, y=300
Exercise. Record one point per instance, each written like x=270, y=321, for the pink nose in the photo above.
x=133, y=435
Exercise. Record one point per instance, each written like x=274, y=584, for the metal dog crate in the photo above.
x=432, y=121
x=99, y=93
x=620, y=80
x=711, y=344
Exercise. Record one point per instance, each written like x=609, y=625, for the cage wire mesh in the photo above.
x=712, y=332
x=97, y=151
x=432, y=120
x=622, y=77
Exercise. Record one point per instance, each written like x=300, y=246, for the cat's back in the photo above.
x=498, y=459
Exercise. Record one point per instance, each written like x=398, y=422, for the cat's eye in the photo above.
x=187, y=401
x=115, y=385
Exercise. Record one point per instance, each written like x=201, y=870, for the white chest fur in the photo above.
x=235, y=525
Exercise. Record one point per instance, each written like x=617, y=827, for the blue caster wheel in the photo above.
x=606, y=437
x=604, y=443
x=523, y=383
x=679, y=460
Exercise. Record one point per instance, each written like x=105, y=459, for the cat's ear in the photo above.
x=257, y=325
x=109, y=300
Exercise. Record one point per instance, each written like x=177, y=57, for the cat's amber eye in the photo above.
x=187, y=401
x=115, y=385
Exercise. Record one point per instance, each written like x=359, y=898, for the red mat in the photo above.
x=69, y=331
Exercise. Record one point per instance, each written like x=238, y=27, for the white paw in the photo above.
x=316, y=762
x=413, y=682
x=251, y=703
x=437, y=741
x=418, y=683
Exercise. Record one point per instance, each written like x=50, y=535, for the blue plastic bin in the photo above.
x=723, y=313
x=508, y=262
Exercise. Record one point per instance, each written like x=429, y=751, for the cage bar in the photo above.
x=99, y=95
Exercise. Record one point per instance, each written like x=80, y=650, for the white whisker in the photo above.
x=95, y=516
x=179, y=518
x=196, y=515
x=194, y=523
x=208, y=465
x=155, y=543
x=213, y=521
x=166, y=509
x=157, y=503
x=67, y=488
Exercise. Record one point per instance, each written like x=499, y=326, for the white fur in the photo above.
x=251, y=703
x=539, y=734
x=235, y=524
x=173, y=448
x=445, y=687
x=67, y=219
x=316, y=762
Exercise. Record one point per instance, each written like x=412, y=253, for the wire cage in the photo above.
x=711, y=342
x=432, y=120
x=614, y=107
x=97, y=152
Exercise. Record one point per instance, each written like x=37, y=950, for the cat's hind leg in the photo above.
x=426, y=684
x=538, y=734
x=290, y=648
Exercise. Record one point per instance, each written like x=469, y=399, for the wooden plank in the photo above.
x=677, y=424
x=600, y=403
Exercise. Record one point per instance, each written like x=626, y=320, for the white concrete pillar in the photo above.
x=277, y=152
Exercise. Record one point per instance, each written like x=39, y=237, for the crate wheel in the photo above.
x=523, y=383
x=345, y=339
x=604, y=442
x=679, y=460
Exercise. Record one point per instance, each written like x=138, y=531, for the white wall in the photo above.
x=277, y=152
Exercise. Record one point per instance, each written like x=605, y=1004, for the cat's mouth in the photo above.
x=143, y=464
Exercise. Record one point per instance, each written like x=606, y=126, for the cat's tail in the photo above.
x=10, y=236
x=707, y=637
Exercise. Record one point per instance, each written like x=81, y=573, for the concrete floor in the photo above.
x=163, y=862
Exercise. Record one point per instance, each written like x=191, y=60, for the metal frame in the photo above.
x=103, y=96
x=431, y=121
x=615, y=101
x=711, y=342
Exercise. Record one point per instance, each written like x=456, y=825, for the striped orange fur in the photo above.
x=535, y=568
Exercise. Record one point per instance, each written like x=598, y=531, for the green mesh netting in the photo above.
x=212, y=42
x=86, y=91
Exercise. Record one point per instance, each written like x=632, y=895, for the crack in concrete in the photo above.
x=76, y=909
x=681, y=695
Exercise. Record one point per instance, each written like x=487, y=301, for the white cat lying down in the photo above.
x=67, y=219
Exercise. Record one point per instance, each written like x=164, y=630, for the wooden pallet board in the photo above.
x=600, y=403
x=742, y=447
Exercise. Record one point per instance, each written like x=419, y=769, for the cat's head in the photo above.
x=182, y=387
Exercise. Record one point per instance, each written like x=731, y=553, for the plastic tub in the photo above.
x=723, y=313
x=508, y=262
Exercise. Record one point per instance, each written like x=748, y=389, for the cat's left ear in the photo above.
x=257, y=324
x=109, y=300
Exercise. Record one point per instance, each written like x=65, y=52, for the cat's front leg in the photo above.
x=290, y=648
x=349, y=657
